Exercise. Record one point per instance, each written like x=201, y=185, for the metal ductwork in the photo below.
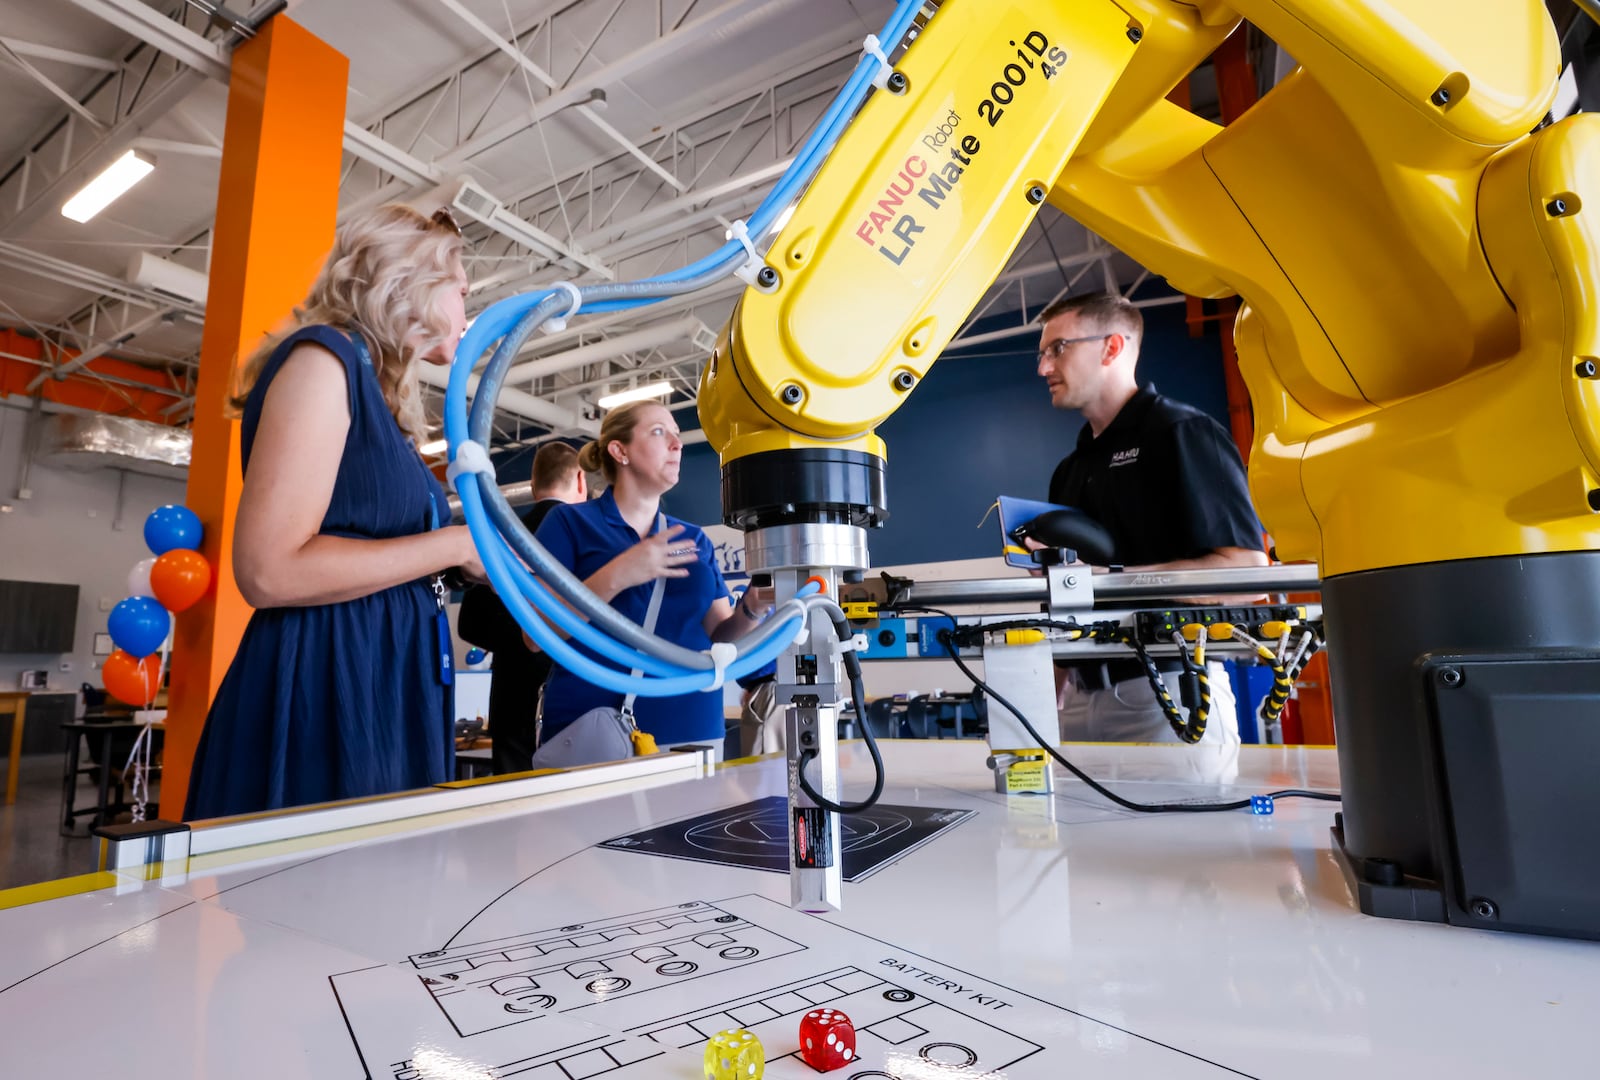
x=88, y=441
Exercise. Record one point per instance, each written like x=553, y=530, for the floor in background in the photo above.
x=32, y=848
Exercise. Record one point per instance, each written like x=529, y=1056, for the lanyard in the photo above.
x=441, y=620
x=446, y=649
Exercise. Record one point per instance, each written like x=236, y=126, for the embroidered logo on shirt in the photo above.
x=1124, y=457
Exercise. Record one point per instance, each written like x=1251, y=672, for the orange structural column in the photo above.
x=276, y=205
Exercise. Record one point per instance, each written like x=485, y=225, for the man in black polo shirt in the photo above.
x=1163, y=478
x=484, y=621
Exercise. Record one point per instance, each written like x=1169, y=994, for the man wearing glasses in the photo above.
x=1166, y=482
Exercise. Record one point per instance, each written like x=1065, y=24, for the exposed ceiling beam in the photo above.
x=212, y=59
x=443, y=75
x=769, y=77
x=91, y=355
x=577, y=89
x=1031, y=327
x=101, y=285
x=110, y=145
x=174, y=146
x=60, y=56
x=648, y=337
x=389, y=157
x=519, y=402
x=49, y=84
x=546, y=346
x=147, y=24
x=521, y=59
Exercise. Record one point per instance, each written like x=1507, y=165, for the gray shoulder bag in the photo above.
x=605, y=732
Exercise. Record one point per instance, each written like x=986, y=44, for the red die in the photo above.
x=827, y=1040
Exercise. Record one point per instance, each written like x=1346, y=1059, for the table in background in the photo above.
x=105, y=731
x=14, y=702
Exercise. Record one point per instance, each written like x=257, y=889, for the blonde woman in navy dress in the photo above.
x=340, y=687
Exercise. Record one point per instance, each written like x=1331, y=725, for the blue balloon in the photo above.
x=171, y=527
x=139, y=625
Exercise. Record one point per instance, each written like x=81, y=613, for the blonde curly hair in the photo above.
x=379, y=279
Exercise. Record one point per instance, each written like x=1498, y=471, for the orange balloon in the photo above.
x=130, y=680
x=180, y=578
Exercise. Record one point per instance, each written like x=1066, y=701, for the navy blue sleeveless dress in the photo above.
x=337, y=701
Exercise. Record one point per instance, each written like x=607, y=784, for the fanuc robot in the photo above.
x=1417, y=256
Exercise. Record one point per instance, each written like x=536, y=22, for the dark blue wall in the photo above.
x=980, y=425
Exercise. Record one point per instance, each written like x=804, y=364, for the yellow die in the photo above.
x=735, y=1055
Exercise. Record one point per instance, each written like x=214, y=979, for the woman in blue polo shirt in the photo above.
x=617, y=545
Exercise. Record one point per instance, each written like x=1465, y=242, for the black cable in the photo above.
x=946, y=639
x=1190, y=729
x=858, y=692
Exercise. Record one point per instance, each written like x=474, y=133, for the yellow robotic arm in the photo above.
x=1418, y=334
x=1355, y=209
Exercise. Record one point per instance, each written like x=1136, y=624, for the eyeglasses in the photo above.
x=443, y=216
x=1054, y=349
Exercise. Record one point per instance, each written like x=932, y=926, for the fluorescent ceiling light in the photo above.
x=437, y=446
x=638, y=393
x=108, y=187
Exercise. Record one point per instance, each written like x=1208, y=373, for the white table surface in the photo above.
x=1053, y=938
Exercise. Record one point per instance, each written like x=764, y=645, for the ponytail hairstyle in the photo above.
x=618, y=426
x=380, y=280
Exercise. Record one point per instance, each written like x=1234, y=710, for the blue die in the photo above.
x=1261, y=804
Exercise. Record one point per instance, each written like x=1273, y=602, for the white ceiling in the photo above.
x=716, y=93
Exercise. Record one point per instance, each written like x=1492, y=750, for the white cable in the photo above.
x=1299, y=653
x=722, y=654
x=470, y=457
x=873, y=48
x=557, y=323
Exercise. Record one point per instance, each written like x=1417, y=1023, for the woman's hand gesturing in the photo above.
x=667, y=554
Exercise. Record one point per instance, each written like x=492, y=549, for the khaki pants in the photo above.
x=1129, y=711
x=761, y=721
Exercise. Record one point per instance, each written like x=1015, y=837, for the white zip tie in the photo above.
x=805, y=618
x=470, y=457
x=557, y=323
x=857, y=643
x=873, y=48
x=753, y=262
x=722, y=654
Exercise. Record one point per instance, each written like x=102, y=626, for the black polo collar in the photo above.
x=1128, y=419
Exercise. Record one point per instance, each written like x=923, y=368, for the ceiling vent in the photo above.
x=475, y=202
x=87, y=441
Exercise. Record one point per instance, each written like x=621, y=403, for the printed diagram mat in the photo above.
x=638, y=996
x=756, y=836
